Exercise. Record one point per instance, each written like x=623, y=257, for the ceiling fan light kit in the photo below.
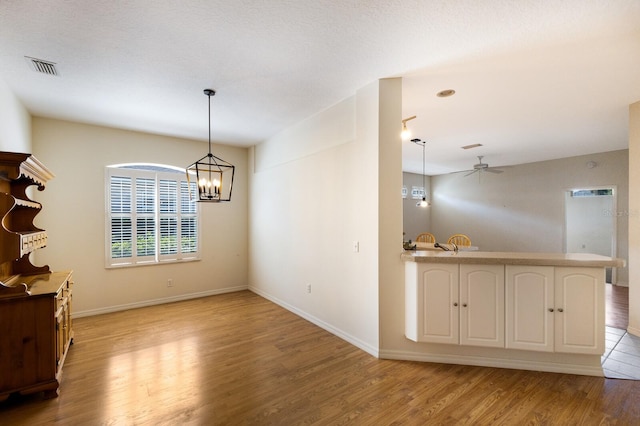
x=482, y=167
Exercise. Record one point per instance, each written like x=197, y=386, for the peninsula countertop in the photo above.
x=513, y=258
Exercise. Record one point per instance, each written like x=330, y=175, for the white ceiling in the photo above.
x=535, y=79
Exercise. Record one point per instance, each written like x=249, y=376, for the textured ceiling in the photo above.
x=535, y=80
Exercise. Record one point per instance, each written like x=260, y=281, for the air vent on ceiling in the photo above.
x=475, y=145
x=42, y=66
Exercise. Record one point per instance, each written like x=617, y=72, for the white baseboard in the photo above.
x=621, y=284
x=634, y=331
x=144, y=303
x=495, y=363
x=326, y=326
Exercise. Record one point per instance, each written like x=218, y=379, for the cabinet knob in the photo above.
x=550, y=309
x=455, y=303
x=464, y=305
x=560, y=310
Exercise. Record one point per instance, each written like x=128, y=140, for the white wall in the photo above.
x=15, y=123
x=74, y=216
x=522, y=209
x=634, y=219
x=589, y=228
x=309, y=202
x=391, y=267
x=416, y=220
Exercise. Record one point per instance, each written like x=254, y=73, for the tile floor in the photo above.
x=621, y=359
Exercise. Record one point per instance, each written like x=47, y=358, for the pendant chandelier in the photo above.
x=213, y=175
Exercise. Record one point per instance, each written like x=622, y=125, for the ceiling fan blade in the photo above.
x=472, y=172
x=493, y=170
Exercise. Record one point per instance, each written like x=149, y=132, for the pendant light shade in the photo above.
x=213, y=176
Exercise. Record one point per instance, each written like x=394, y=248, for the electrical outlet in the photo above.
x=308, y=288
x=170, y=282
x=356, y=246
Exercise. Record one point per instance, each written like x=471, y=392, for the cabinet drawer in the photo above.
x=32, y=241
x=62, y=296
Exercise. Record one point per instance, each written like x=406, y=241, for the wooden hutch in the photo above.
x=35, y=303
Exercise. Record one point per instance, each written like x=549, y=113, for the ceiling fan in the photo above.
x=482, y=167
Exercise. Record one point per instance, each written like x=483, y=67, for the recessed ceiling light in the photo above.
x=446, y=93
x=475, y=145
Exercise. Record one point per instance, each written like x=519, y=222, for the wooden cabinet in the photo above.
x=18, y=233
x=557, y=309
x=35, y=304
x=36, y=333
x=456, y=304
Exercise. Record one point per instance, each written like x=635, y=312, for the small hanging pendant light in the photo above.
x=423, y=202
x=213, y=175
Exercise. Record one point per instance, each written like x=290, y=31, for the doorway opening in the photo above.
x=590, y=227
x=590, y=222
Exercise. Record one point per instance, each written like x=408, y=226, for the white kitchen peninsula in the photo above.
x=533, y=311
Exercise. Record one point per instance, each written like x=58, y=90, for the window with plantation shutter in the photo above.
x=150, y=218
x=189, y=222
x=120, y=212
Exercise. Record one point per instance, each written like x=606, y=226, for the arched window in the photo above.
x=149, y=216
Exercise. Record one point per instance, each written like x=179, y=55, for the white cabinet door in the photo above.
x=535, y=308
x=579, y=316
x=436, y=303
x=529, y=307
x=439, y=295
x=482, y=305
x=411, y=301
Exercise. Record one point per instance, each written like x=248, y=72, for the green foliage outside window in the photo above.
x=120, y=249
x=146, y=244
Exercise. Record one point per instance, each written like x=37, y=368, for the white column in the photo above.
x=634, y=219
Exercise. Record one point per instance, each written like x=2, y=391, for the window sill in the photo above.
x=162, y=262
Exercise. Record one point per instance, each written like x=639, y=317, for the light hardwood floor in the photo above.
x=622, y=355
x=238, y=359
x=617, y=306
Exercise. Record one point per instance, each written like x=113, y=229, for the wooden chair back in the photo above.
x=425, y=237
x=460, y=240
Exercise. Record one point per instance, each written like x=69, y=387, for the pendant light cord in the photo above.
x=210, y=93
x=424, y=159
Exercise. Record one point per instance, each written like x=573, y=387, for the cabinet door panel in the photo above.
x=438, y=291
x=529, y=307
x=482, y=305
x=411, y=301
x=579, y=320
